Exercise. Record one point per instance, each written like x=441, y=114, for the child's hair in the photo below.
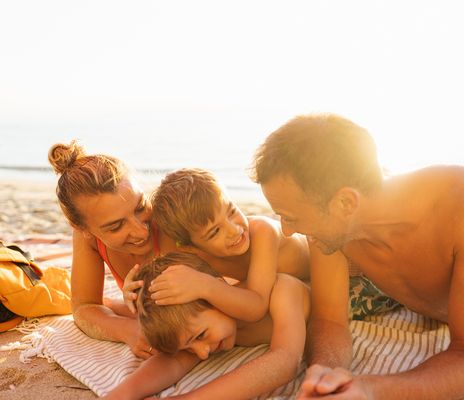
x=162, y=325
x=321, y=153
x=83, y=175
x=185, y=200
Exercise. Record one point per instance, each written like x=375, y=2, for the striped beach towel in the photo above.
x=392, y=342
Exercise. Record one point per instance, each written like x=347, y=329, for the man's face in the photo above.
x=299, y=213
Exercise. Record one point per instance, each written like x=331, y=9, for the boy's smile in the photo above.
x=227, y=235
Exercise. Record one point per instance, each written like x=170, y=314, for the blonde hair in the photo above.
x=82, y=174
x=162, y=325
x=185, y=200
x=321, y=153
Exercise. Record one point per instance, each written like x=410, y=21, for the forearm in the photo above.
x=329, y=344
x=100, y=322
x=441, y=377
x=261, y=375
x=154, y=375
x=239, y=303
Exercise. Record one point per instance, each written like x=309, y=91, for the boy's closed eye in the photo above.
x=213, y=234
x=115, y=227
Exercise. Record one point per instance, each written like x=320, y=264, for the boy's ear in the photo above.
x=345, y=202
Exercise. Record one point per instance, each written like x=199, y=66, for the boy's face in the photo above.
x=210, y=331
x=227, y=235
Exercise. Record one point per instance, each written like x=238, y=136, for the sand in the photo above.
x=30, y=213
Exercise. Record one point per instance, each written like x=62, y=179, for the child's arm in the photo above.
x=180, y=284
x=154, y=375
x=277, y=366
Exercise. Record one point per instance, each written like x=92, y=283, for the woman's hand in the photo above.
x=179, y=284
x=129, y=288
x=139, y=345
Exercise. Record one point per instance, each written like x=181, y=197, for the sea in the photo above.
x=153, y=148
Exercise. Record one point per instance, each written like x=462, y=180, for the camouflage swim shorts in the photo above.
x=366, y=299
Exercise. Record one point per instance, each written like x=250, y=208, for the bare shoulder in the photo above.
x=82, y=243
x=436, y=187
x=439, y=192
x=85, y=253
x=288, y=290
x=439, y=175
x=262, y=224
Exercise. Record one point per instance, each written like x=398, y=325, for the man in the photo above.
x=406, y=234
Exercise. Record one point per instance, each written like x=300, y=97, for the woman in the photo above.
x=111, y=220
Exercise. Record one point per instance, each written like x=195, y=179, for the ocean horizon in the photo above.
x=151, y=149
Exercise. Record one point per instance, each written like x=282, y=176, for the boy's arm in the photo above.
x=154, y=375
x=278, y=365
x=250, y=302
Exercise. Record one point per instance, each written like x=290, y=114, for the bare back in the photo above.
x=414, y=237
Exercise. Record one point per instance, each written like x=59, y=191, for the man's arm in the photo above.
x=330, y=339
x=278, y=365
x=441, y=377
x=154, y=375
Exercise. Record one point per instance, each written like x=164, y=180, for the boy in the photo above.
x=190, y=207
x=190, y=332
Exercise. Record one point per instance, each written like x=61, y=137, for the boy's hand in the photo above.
x=129, y=287
x=179, y=284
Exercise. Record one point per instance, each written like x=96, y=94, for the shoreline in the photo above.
x=30, y=207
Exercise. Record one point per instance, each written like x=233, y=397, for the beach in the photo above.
x=30, y=215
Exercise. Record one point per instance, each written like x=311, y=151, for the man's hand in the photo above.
x=337, y=383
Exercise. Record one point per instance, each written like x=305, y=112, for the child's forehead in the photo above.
x=218, y=209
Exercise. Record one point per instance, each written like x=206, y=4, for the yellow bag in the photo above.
x=28, y=291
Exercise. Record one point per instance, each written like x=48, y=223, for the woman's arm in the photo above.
x=278, y=365
x=154, y=375
x=95, y=319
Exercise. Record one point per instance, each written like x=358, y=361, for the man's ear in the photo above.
x=345, y=202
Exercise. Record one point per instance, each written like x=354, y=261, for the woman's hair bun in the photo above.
x=63, y=156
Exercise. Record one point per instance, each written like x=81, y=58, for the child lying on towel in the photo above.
x=190, y=207
x=186, y=334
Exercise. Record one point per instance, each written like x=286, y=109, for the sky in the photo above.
x=394, y=67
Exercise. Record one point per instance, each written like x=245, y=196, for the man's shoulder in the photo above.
x=434, y=183
x=447, y=172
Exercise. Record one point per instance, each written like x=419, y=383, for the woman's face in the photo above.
x=121, y=220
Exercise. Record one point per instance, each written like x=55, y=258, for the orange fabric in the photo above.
x=42, y=292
